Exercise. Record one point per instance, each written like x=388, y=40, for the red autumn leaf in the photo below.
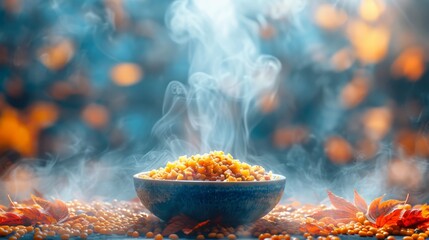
x=373, y=212
x=11, y=219
x=424, y=226
x=32, y=215
x=360, y=203
x=188, y=231
x=315, y=229
x=390, y=219
x=178, y=223
x=57, y=209
x=378, y=209
x=414, y=217
x=333, y=213
x=342, y=204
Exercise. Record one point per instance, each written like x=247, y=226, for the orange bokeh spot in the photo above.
x=410, y=64
x=338, y=150
x=126, y=74
x=12, y=6
x=285, y=137
x=371, y=10
x=329, y=17
x=267, y=31
x=354, y=92
x=366, y=149
x=377, y=122
x=15, y=134
x=404, y=173
x=57, y=55
x=269, y=102
x=411, y=143
x=405, y=142
x=342, y=59
x=43, y=114
x=95, y=115
x=370, y=42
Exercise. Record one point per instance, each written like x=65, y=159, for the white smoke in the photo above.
x=227, y=76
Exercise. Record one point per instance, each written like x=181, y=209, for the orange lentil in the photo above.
x=158, y=237
x=220, y=235
x=232, y=237
x=200, y=237
x=173, y=236
x=135, y=234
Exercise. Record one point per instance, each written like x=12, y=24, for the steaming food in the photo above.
x=214, y=166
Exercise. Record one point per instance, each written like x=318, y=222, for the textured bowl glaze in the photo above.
x=231, y=203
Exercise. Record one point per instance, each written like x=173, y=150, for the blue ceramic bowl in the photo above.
x=230, y=203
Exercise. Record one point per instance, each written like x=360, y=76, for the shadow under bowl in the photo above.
x=230, y=203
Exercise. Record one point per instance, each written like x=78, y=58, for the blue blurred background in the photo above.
x=83, y=83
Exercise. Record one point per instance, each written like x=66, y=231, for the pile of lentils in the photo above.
x=133, y=220
x=213, y=166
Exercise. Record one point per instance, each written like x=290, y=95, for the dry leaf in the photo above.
x=11, y=219
x=378, y=209
x=315, y=229
x=57, y=209
x=373, y=213
x=188, y=231
x=414, y=218
x=32, y=215
x=342, y=204
x=390, y=219
x=178, y=223
x=360, y=203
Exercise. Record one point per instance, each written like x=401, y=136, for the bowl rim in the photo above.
x=279, y=178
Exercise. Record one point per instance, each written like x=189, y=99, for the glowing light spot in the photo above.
x=354, y=92
x=267, y=31
x=338, y=150
x=366, y=149
x=377, y=122
x=286, y=137
x=370, y=42
x=12, y=6
x=410, y=64
x=343, y=59
x=329, y=17
x=371, y=10
x=43, y=114
x=60, y=90
x=422, y=145
x=404, y=173
x=269, y=102
x=126, y=74
x=56, y=56
x=95, y=115
x=405, y=142
x=15, y=134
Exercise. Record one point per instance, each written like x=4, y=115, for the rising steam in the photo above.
x=218, y=106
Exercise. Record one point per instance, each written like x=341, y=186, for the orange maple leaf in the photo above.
x=417, y=217
x=342, y=204
x=360, y=203
x=11, y=219
x=182, y=223
x=57, y=209
x=379, y=209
